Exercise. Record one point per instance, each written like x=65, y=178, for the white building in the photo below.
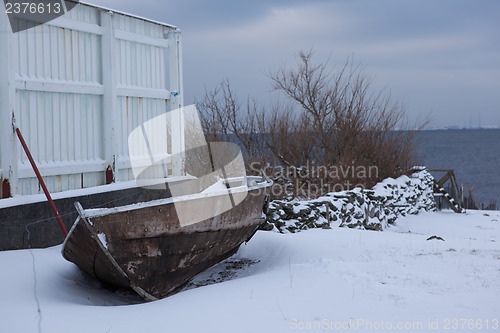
x=77, y=86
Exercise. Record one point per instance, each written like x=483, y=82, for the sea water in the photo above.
x=473, y=154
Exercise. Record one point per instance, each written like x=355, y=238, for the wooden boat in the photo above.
x=147, y=247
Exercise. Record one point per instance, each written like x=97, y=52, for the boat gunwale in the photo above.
x=97, y=212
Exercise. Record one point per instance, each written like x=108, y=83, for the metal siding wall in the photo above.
x=5, y=102
x=132, y=112
x=59, y=96
x=60, y=127
x=148, y=63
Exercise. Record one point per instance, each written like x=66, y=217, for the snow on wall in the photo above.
x=372, y=209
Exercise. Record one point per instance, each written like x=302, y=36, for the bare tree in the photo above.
x=331, y=118
x=224, y=119
x=348, y=122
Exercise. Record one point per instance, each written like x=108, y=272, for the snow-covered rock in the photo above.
x=372, y=209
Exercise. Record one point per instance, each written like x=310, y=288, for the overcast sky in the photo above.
x=441, y=57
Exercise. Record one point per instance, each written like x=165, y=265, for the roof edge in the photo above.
x=126, y=14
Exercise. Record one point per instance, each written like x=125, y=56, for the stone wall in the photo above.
x=372, y=209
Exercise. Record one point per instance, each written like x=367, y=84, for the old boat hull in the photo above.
x=148, y=250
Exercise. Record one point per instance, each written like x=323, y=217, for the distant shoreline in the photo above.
x=457, y=128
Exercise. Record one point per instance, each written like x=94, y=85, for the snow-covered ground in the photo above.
x=316, y=280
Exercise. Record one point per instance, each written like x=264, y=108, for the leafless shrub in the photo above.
x=331, y=121
x=224, y=119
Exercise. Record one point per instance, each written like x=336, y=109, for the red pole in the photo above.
x=42, y=183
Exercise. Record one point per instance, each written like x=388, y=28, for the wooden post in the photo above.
x=8, y=146
x=5, y=189
x=176, y=102
x=110, y=96
x=328, y=213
